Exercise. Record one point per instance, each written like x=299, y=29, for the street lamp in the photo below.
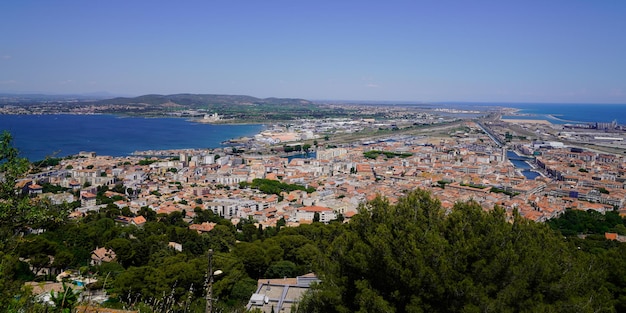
x=210, y=274
x=209, y=291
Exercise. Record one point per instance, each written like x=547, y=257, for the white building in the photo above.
x=307, y=213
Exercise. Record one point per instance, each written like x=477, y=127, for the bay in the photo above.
x=59, y=135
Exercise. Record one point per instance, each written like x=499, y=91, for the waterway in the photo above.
x=523, y=166
x=308, y=155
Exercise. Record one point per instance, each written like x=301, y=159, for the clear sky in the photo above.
x=484, y=51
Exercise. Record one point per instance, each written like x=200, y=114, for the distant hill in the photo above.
x=232, y=108
x=202, y=100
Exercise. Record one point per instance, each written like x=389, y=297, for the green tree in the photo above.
x=249, y=232
x=127, y=212
x=39, y=261
x=468, y=260
x=316, y=217
x=63, y=259
x=147, y=213
x=64, y=301
x=221, y=238
x=281, y=269
x=281, y=223
x=17, y=213
x=123, y=249
x=12, y=167
x=253, y=257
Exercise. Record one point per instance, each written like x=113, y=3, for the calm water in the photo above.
x=39, y=136
x=557, y=113
x=571, y=113
x=522, y=165
x=309, y=155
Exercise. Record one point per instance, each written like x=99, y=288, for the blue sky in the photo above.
x=483, y=51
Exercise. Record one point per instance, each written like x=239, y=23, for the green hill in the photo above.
x=203, y=100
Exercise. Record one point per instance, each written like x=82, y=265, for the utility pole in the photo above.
x=209, y=286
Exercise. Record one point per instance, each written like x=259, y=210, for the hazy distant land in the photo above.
x=229, y=108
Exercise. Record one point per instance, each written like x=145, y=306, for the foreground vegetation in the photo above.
x=412, y=256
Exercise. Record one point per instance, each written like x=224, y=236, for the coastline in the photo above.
x=525, y=121
x=575, y=113
x=552, y=116
x=223, y=122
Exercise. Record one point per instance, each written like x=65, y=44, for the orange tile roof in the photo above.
x=314, y=208
x=349, y=214
x=139, y=220
x=204, y=227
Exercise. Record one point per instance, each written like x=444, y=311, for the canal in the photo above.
x=523, y=166
x=304, y=155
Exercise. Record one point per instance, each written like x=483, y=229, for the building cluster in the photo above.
x=465, y=165
x=318, y=129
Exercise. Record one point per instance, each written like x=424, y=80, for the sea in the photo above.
x=562, y=113
x=40, y=136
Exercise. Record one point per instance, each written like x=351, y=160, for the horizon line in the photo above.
x=104, y=95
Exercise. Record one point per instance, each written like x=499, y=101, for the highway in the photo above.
x=490, y=134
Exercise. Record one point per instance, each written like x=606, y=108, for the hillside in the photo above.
x=202, y=100
x=232, y=108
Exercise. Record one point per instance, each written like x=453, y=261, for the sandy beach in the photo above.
x=526, y=121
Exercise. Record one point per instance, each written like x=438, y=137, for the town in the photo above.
x=298, y=176
x=306, y=157
x=466, y=164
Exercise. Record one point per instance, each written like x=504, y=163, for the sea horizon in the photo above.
x=561, y=113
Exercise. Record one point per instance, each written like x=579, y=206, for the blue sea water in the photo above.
x=40, y=136
x=557, y=113
x=560, y=113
